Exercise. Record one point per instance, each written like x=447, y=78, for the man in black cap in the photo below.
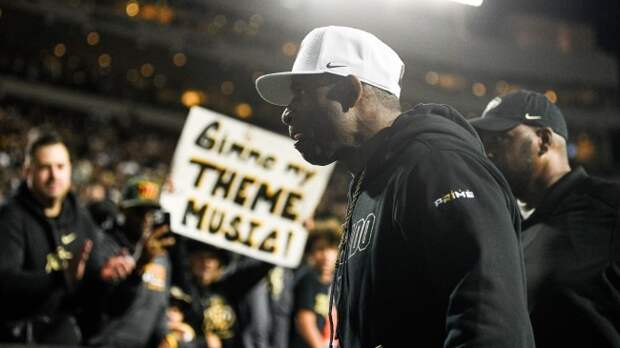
x=430, y=254
x=572, y=239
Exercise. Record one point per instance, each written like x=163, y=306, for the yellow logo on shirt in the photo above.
x=321, y=304
x=58, y=260
x=219, y=318
x=67, y=238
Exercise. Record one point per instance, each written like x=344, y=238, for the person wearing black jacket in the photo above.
x=430, y=255
x=572, y=239
x=133, y=313
x=218, y=290
x=49, y=258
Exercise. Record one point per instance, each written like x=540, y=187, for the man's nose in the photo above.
x=287, y=116
x=54, y=173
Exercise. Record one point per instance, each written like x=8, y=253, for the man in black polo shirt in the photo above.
x=572, y=239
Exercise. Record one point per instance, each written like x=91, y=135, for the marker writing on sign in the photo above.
x=237, y=228
x=246, y=191
x=212, y=139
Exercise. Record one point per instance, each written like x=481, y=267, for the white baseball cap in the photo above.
x=340, y=51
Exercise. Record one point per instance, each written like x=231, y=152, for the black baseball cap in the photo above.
x=521, y=107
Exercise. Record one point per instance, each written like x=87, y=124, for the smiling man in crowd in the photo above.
x=49, y=259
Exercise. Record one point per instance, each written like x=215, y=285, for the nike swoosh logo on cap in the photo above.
x=330, y=65
x=532, y=117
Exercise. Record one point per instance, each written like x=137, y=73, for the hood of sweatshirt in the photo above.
x=438, y=122
x=67, y=216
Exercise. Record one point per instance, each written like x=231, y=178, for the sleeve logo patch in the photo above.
x=452, y=195
x=154, y=276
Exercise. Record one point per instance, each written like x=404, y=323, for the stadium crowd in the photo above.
x=111, y=272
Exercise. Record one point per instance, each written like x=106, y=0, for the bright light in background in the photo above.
x=243, y=110
x=92, y=38
x=147, y=69
x=104, y=60
x=179, y=59
x=193, y=97
x=132, y=9
x=60, y=50
x=479, y=89
x=475, y=3
x=551, y=95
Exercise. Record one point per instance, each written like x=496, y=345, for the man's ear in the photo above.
x=545, y=138
x=347, y=91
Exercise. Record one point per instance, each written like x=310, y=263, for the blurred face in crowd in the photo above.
x=514, y=153
x=174, y=314
x=48, y=173
x=317, y=117
x=206, y=266
x=138, y=220
x=323, y=256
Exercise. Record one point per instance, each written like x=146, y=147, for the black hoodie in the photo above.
x=32, y=288
x=433, y=258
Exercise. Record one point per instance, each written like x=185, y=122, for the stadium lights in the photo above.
x=475, y=3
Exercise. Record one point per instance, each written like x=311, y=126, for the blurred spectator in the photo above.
x=107, y=151
x=49, y=258
x=180, y=334
x=255, y=316
x=216, y=294
x=280, y=282
x=311, y=304
x=134, y=313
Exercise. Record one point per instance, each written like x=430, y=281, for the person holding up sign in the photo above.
x=430, y=254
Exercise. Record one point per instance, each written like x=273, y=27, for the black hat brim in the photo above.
x=493, y=124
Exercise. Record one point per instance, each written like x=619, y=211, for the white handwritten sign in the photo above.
x=242, y=188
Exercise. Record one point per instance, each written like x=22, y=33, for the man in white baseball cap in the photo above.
x=360, y=63
x=340, y=51
x=430, y=253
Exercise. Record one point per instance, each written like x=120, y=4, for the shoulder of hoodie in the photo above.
x=427, y=148
x=12, y=209
x=424, y=152
x=441, y=128
x=603, y=190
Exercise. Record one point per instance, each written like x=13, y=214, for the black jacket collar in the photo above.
x=556, y=194
x=68, y=214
